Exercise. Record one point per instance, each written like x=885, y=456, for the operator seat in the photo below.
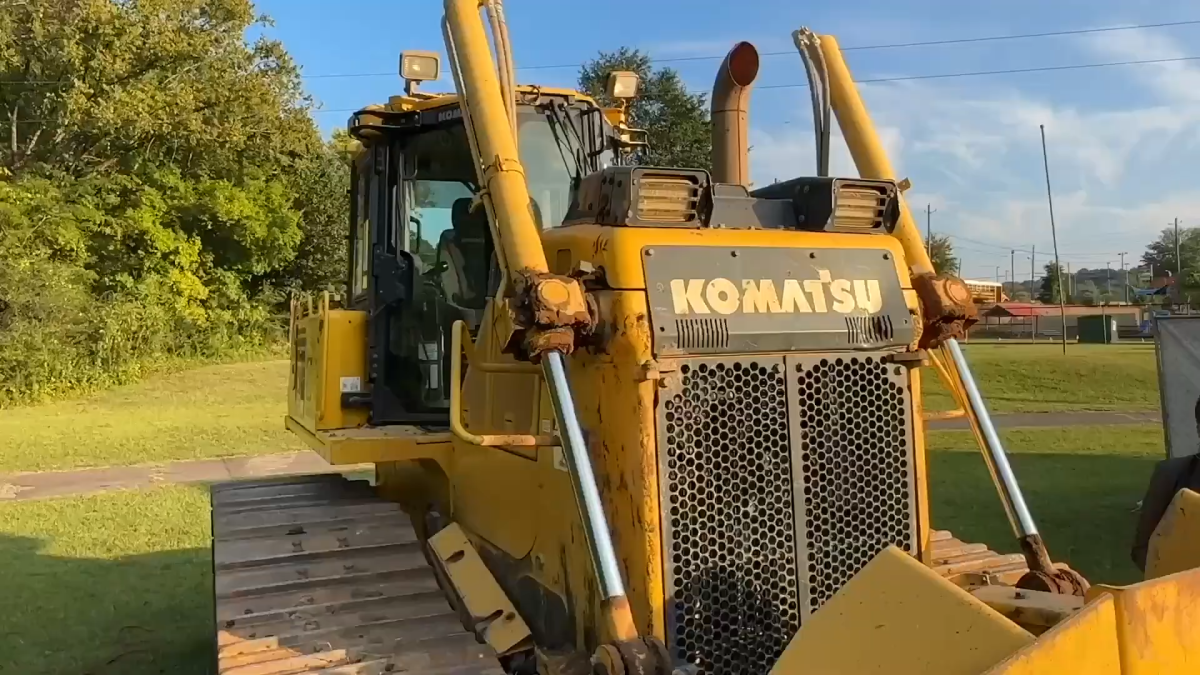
x=467, y=250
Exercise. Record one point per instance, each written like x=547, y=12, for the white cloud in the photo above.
x=973, y=149
x=792, y=152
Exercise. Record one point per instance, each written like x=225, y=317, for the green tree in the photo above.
x=1160, y=253
x=321, y=185
x=676, y=121
x=160, y=178
x=1048, y=288
x=941, y=254
x=97, y=85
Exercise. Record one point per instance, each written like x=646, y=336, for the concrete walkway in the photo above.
x=1056, y=419
x=43, y=485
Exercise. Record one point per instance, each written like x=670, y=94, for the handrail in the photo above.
x=457, y=348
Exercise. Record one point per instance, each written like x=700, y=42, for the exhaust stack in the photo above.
x=730, y=108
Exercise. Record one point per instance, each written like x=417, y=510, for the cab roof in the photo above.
x=421, y=101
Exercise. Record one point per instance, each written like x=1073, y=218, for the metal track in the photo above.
x=953, y=559
x=317, y=574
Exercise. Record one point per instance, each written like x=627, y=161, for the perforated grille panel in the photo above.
x=780, y=479
x=851, y=427
x=732, y=581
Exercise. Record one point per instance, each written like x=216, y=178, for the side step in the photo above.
x=317, y=574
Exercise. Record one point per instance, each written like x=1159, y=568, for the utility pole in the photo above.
x=1124, y=276
x=1062, y=303
x=997, y=274
x=1108, y=280
x=1032, y=271
x=1070, y=290
x=1012, y=270
x=1032, y=285
x=929, y=211
x=1178, y=259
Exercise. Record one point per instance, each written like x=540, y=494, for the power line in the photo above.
x=894, y=45
x=1006, y=71
x=904, y=78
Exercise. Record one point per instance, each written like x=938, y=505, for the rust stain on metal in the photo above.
x=948, y=308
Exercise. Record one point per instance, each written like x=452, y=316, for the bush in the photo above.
x=85, y=304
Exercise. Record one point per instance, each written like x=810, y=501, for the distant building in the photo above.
x=986, y=292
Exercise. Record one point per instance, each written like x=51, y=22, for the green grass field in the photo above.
x=120, y=581
x=1038, y=378
x=1082, y=485
x=217, y=411
x=110, y=584
x=238, y=409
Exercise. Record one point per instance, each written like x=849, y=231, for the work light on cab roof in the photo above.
x=417, y=67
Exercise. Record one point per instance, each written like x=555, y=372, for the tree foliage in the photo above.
x=1160, y=254
x=1048, y=288
x=161, y=183
x=941, y=254
x=676, y=121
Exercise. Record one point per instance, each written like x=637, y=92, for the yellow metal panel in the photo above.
x=899, y=617
x=1158, y=624
x=495, y=488
x=343, y=352
x=1034, y=611
x=492, y=614
x=1085, y=643
x=920, y=469
x=617, y=407
x=619, y=249
x=374, y=445
x=1175, y=544
x=328, y=351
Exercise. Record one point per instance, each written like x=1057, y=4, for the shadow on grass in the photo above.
x=1083, y=504
x=144, y=614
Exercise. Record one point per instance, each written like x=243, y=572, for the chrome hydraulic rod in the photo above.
x=1006, y=481
x=579, y=462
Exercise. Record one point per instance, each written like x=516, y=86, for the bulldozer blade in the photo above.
x=1175, y=544
x=897, y=616
x=914, y=621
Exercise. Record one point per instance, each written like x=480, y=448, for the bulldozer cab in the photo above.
x=422, y=252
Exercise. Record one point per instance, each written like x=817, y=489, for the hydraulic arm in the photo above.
x=548, y=309
x=948, y=310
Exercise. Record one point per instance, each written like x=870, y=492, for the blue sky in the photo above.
x=1121, y=139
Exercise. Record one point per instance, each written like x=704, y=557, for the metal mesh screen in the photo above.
x=728, y=499
x=851, y=427
x=1177, y=340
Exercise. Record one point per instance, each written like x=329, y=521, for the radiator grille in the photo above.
x=732, y=576
x=851, y=428
x=781, y=477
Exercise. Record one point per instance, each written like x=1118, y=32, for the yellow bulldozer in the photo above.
x=631, y=419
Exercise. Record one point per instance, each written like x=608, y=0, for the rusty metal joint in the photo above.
x=550, y=312
x=948, y=309
x=638, y=656
x=1047, y=576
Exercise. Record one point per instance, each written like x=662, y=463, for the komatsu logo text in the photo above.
x=723, y=296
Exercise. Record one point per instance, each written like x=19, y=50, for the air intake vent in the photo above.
x=859, y=207
x=869, y=330
x=667, y=199
x=703, y=333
